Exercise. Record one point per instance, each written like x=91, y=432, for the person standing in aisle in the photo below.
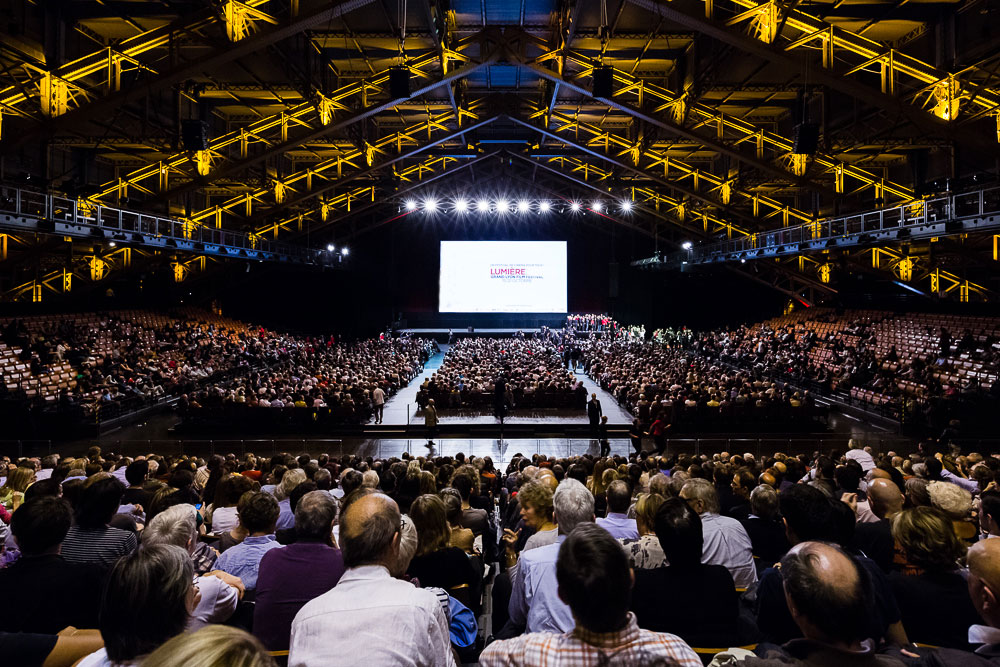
x=431, y=421
x=594, y=413
x=378, y=400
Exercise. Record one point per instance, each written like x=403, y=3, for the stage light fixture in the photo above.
x=461, y=206
x=575, y=207
x=112, y=244
x=411, y=205
x=503, y=206
x=687, y=245
x=483, y=206
x=543, y=207
x=597, y=206
x=331, y=248
x=626, y=205
x=430, y=205
x=743, y=261
x=345, y=251
x=523, y=206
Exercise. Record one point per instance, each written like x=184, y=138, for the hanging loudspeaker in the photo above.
x=399, y=82
x=604, y=81
x=194, y=135
x=806, y=139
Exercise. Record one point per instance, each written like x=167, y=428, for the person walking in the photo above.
x=658, y=429
x=378, y=401
x=431, y=421
x=602, y=435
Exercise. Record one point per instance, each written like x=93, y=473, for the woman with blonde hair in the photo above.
x=645, y=552
x=212, y=646
x=17, y=482
x=932, y=595
x=436, y=563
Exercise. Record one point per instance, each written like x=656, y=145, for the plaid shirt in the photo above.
x=582, y=648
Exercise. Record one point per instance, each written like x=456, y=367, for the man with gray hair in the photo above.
x=535, y=601
x=726, y=542
x=290, y=577
x=369, y=617
x=220, y=592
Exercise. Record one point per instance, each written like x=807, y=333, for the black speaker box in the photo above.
x=194, y=135
x=604, y=82
x=399, y=82
x=806, y=139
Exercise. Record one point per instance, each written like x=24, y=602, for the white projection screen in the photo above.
x=502, y=277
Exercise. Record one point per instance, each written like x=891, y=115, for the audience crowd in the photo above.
x=846, y=557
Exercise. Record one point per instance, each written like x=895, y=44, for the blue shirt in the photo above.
x=534, y=601
x=286, y=517
x=620, y=526
x=243, y=560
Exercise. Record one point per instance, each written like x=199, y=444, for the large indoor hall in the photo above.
x=466, y=333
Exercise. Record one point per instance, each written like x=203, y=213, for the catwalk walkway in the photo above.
x=401, y=409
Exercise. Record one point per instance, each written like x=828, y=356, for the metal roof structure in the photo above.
x=305, y=122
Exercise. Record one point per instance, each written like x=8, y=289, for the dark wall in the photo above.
x=393, y=271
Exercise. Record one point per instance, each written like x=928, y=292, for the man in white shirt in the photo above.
x=726, y=541
x=617, y=522
x=378, y=401
x=369, y=617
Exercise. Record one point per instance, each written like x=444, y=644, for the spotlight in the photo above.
x=331, y=248
x=112, y=244
x=411, y=205
x=503, y=206
x=598, y=206
x=743, y=261
x=575, y=207
x=626, y=205
x=686, y=245
x=483, y=206
x=345, y=251
x=543, y=207
x=523, y=206
x=461, y=206
x=430, y=205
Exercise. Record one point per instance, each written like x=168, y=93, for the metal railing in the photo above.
x=22, y=209
x=925, y=216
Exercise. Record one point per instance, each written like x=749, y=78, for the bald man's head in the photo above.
x=369, y=531
x=828, y=593
x=886, y=498
x=984, y=579
x=548, y=478
x=878, y=473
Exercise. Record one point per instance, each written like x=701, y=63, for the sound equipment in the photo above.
x=806, y=139
x=604, y=82
x=399, y=82
x=194, y=135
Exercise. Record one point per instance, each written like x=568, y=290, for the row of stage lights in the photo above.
x=509, y=206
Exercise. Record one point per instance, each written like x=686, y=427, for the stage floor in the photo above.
x=401, y=409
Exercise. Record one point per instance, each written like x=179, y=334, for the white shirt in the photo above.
x=224, y=519
x=727, y=544
x=369, y=618
x=218, y=602
x=862, y=457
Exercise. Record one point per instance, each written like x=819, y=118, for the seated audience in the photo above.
x=148, y=599
x=258, y=518
x=63, y=649
x=288, y=578
x=726, y=542
x=931, y=590
x=369, y=615
x=645, y=551
x=535, y=602
x=710, y=608
x=764, y=528
x=212, y=646
x=436, y=564
x=91, y=539
x=617, y=522
x=592, y=577
x=45, y=592
x=219, y=593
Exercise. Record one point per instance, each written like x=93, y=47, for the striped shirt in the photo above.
x=582, y=648
x=102, y=546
